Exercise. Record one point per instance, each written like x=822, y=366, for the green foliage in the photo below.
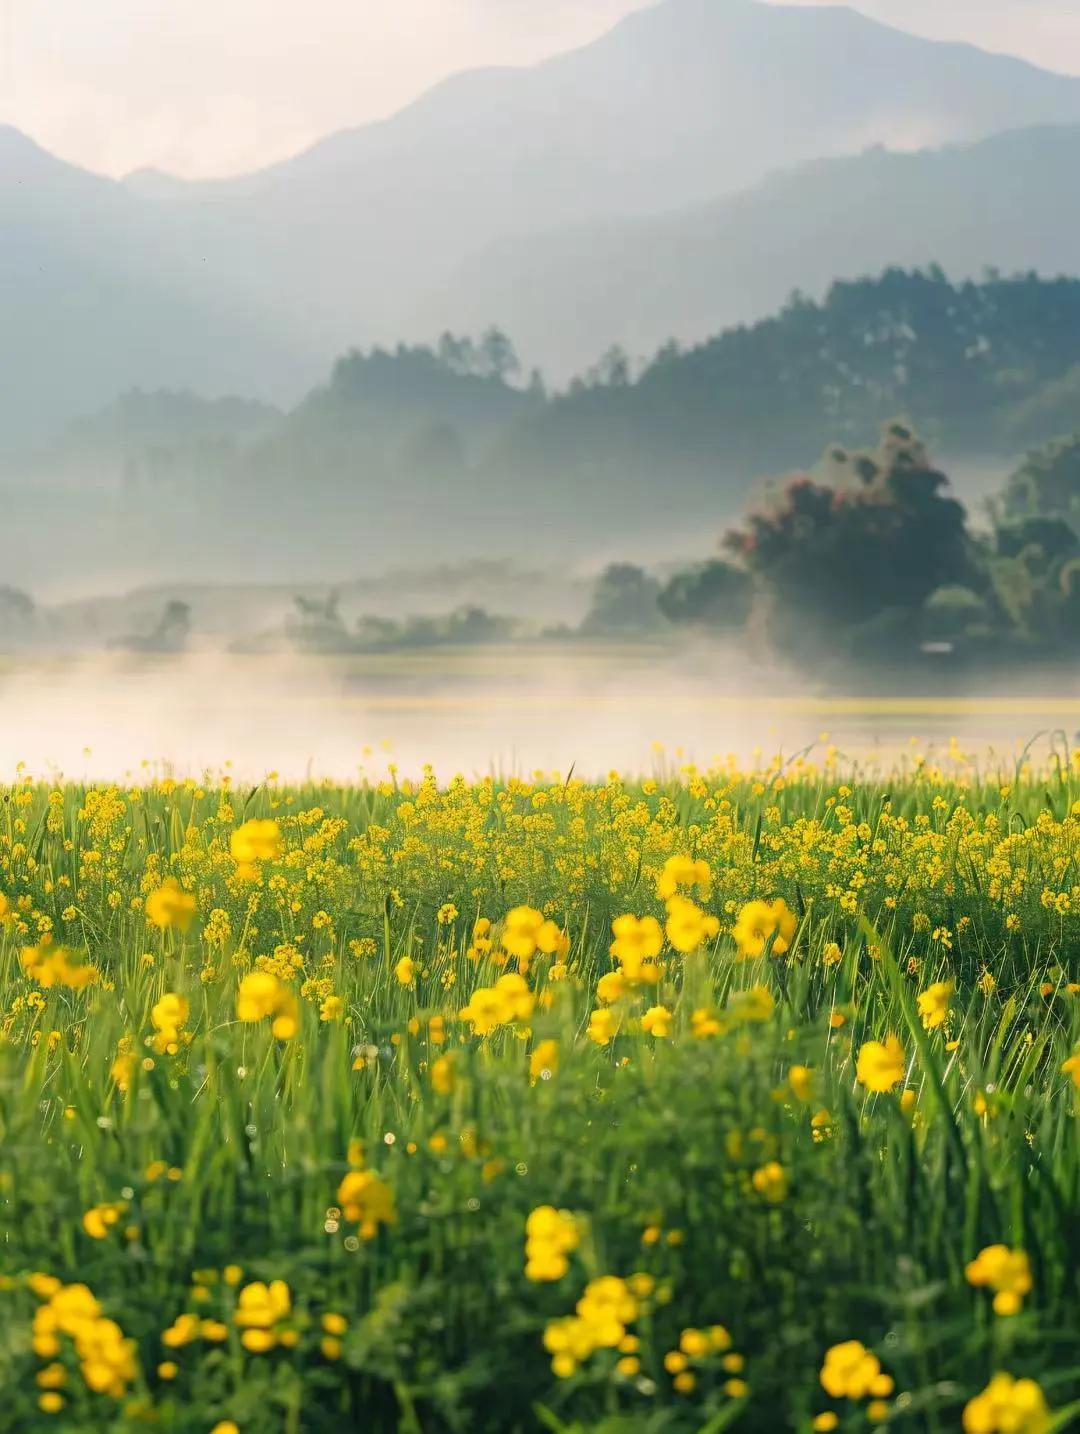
x=714, y=595
x=1047, y=484
x=651, y=1142
x=827, y=560
x=953, y=612
x=624, y=602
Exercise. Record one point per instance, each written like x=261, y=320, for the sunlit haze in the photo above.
x=217, y=87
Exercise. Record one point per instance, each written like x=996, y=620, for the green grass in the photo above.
x=651, y=1143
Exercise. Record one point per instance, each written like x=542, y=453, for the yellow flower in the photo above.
x=933, y=1003
x=99, y=1220
x=261, y=994
x=256, y=841
x=761, y=921
x=367, y=1201
x=261, y=1306
x=637, y=944
x=682, y=871
x=442, y=1075
x=545, y=1058
x=771, y=1182
x=611, y=987
x=1007, y=1406
x=657, y=1021
x=550, y=1235
x=167, y=1016
x=1007, y=1272
x=183, y=1330
x=849, y=1371
x=687, y=925
x=881, y=1065
x=53, y=967
x=509, y=1000
x=1071, y=1067
x=405, y=971
x=525, y=932
x=601, y=1026
x=703, y=1024
x=169, y=905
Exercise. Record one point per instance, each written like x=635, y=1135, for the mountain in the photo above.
x=99, y=294
x=1010, y=202
x=368, y=235
x=677, y=105
x=424, y=455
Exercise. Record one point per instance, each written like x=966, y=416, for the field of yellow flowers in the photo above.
x=729, y=1100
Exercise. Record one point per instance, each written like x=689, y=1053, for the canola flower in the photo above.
x=1007, y=1272
x=169, y=905
x=1007, y=1406
x=933, y=1004
x=261, y=1312
x=256, y=841
x=550, y=1236
x=881, y=1064
x=560, y=1029
x=48, y=968
x=764, y=924
x=262, y=995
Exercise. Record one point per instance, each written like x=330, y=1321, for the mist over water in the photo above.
x=506, y=710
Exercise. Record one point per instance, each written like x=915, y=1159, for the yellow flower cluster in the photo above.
x=697, y=1347
x=367, y=1201
x=263, y=995
x=507, y=1002
x=851, y=1371
x=933, y=1003
x=169, y=905
x=100, y=1219
x=54, y=967
x=525, y=932
x=764, y=924
x=106, y=1358
x=1006, y=1272
x=168, y=1017
x=600, y=1321
x=550, y=1235
x=256, y=841
x=881, y=1064
x=262, y=1312
x=1007, y=1406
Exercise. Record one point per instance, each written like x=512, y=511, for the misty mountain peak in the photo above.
x=380, y=232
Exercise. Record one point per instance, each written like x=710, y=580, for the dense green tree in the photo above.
x=624, y=603
x=1047, y=484
x=714, y=595
x=828, y=559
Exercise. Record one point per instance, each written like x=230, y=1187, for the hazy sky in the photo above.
x=203, y=87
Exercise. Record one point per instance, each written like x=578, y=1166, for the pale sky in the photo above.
x=211, y=87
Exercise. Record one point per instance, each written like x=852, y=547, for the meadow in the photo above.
x=727, y=1099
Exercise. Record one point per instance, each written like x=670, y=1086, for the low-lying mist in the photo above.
x=504, y=710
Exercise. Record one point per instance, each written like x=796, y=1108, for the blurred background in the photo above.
x=526, y=386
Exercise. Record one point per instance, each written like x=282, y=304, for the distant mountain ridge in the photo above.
x=432, y=451
x=1010, y=202
x=372, y=233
